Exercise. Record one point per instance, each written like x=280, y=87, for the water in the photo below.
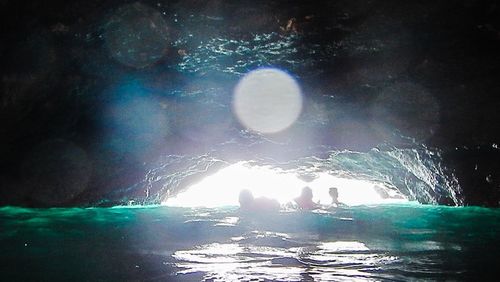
x=401, y=242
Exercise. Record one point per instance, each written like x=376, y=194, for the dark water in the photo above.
x=364, y=243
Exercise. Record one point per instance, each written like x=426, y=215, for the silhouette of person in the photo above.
x=304, y=201
x=250, y=204
x=334, y=193
x=246, y=200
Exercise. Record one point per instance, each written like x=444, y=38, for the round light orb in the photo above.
x=267, y=100
x=136, y=35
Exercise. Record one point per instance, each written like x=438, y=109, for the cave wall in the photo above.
x=427, y=70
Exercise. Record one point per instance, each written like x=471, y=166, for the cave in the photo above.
x=165, y=110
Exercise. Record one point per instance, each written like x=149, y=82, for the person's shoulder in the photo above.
x=266, y=204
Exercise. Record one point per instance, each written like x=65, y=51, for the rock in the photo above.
x=55, y=172
x=137, y=35
x=477, y=171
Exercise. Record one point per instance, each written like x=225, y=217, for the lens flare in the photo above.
x=267, y=100
x=136, y=35
x=135, y=122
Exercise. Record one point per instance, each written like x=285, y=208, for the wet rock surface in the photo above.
x=372, y=72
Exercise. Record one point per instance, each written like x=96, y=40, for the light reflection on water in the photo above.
x=248, y=261
x=373, y=244
x=385, y=242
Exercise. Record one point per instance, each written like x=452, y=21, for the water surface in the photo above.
x=365, y=243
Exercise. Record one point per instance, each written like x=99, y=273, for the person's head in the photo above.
x=334, y=193
x=245, y=198
x=306, y=193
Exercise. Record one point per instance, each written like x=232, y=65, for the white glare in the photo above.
x=267, y=100
x=352, y=192
x=223, y=188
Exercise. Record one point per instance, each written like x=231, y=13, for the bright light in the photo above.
x=353, y=191
x=267, y=100
x=223, y=188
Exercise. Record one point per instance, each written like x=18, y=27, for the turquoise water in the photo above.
x=364, y=243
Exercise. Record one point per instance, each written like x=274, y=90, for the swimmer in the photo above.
x=304, y=201
x=250, y=204
x=334, y=193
